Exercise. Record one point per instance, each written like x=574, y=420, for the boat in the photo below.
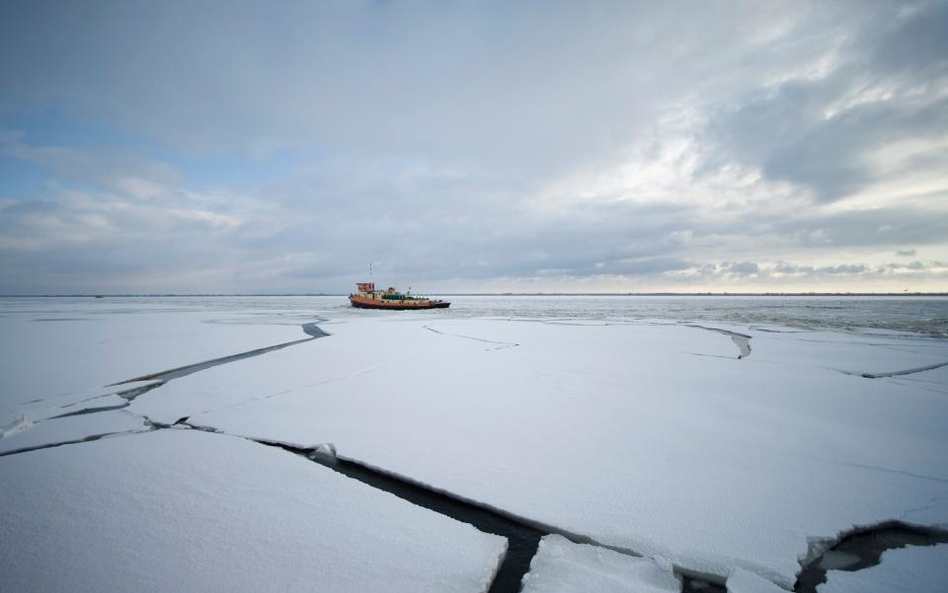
x=366, y=297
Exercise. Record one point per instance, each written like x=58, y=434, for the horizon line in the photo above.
x=617, y=294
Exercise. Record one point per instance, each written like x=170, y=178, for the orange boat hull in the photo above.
x=396, y=304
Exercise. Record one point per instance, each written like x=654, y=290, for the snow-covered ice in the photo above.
x=52, y=347
x=71, y=417
x=183, y=510
x=71, y=429
x=76, y=401
x=644, y=436
x=851, y=353
x=742, y=581
x=910, y=570
x=560, y=566
x=649, y=438
x=934, y=380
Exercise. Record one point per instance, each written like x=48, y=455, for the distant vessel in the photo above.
x=368, y=298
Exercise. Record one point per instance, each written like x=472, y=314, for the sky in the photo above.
x=259, y=147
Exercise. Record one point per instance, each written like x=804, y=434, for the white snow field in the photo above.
x=935, y=380
x=71, y=429
x=57, y=347
x=26, y=414
x=742, y=581
x=561, y=566
x=654, y=439
x=914, y=569
x=648, y=437
x=183, y=510
x=878, y=355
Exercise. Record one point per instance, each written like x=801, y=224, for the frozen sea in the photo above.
x=298, y=444
x=917, y=314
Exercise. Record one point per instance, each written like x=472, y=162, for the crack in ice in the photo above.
x=866, y=545
x=160, y=378
x=742, y=341
x=86, y=439
x=186, y=370
x=930, y=367
x=523, y=533
x=502, y=345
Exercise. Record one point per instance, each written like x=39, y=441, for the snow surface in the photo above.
x=52, y=347
x=935, y=380
x=70, y=429
x=560, y=566
x=851, y=353
x=71, y=403
x=644, y=437
x=742, y=581
x=183, y=510
x=910, y=570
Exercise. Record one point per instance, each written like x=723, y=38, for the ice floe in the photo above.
x=648, y=438
x=182, y=510
x=89, y=344
x=70, y=430
x=76, y=402
x=742, y=581
x=872, y=356
x=934, y=380
x=560, y=566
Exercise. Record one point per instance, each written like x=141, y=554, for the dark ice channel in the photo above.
x=522, y=539
x=862, y=549
x=310, y=329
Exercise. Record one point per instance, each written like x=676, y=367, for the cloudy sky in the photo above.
x=263, y=147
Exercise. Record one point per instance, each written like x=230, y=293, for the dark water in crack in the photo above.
x=190, y=369
x=128, y=395
x=522, y=539
x=690, y=585
x=87, y=439
x=85, y=411
x=863, y=549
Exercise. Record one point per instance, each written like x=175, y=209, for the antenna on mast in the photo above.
x=370, y=270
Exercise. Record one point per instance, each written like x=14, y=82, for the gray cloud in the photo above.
x=518, y=86
x=425, y=228
x=816, y=131
x=843, y=269
x=780, y=272
x=915, y=265
x=680, y=144
x=740, y=268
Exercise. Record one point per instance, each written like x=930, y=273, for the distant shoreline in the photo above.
x=515, y=294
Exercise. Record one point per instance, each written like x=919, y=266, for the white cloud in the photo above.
x=656, y=146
